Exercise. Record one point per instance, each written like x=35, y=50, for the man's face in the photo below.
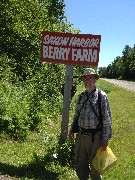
x=89, y=79
x=89, y=82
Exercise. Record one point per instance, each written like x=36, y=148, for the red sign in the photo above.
x=65, y=48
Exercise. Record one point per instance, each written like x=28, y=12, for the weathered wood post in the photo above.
x=66, y=102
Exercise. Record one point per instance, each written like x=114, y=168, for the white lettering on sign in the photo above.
x=68, y=48
x=56, y=40
x=88, y=55
x=53, y=52
x=81, y=42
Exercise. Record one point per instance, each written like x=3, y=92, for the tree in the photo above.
x=34, y=84
x=131, y=58
x=122, y=67
x=126, y=61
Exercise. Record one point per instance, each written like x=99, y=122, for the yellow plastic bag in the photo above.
x=104, y=160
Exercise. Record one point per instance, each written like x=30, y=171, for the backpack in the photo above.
x=75, y=126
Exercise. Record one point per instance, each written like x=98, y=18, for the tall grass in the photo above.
x=38, y=158
x=122, y=104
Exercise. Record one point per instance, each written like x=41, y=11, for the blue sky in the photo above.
x=114, y=20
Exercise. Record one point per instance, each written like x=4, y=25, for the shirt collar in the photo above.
x=92, y=94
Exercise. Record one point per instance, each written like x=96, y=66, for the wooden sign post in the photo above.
x=69, y=49
x=66, y=102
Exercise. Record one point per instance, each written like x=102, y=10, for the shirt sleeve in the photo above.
x=107, y=119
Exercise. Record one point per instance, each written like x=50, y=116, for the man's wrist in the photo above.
x=104, y=142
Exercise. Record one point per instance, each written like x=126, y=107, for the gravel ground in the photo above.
x=130, y=85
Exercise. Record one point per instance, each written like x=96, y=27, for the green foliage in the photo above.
x=104, y=87
x=122, y=67
x=65, y=154
x=25, y=105
x=30, y=90
x=11, y=121
x=35, y=158
x=59, y=153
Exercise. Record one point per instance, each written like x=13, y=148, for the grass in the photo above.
x=33, y=158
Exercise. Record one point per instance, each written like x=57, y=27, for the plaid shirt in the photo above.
x=87, y=117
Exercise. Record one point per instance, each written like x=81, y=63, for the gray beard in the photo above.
x=91, y=86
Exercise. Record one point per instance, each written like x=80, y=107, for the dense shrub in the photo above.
x=30, y=90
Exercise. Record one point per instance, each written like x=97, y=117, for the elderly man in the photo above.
x=94, y=122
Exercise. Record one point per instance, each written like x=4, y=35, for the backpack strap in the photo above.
x=75, y=127
x=99, y=107
x=100, y=125
x=100, y=117
x=87, y=99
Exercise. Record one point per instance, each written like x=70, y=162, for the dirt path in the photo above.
x=130, y=85
x=6, y=177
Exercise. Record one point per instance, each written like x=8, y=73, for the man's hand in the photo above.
x=104, y=146
x=71, y=135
